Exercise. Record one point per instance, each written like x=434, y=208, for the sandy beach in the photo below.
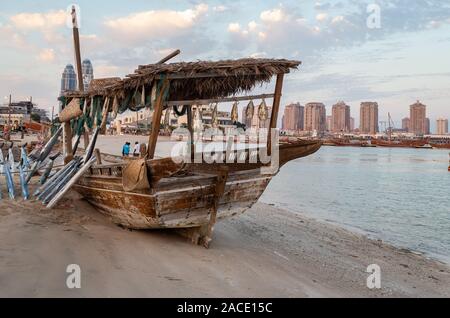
x=265, y=253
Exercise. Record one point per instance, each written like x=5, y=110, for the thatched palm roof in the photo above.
x=195, y=80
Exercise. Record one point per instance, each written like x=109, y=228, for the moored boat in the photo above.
x=183, y=193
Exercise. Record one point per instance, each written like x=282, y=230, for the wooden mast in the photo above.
x=275, y=110
x=157, y=113
x=67, y=128
x=156, y=120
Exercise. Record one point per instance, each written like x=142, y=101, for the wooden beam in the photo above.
x=164, y=60
x=67, y=139
x=221, y=183
x=275, y=111
x=67, y=128
x=191, y=132
x=218, y=100
x=98, y=156
x=156, y=121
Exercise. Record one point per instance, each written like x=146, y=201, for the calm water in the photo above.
x=401, y=196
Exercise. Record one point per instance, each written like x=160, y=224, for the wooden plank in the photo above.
x=98, y=156
x=191, y=132
x=156, y=121
x=275, y=111
x=218, y=100
x=219, y=191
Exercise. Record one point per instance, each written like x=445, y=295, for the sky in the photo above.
x=393, y=52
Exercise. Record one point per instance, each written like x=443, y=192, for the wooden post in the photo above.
x=275, y=110
x=67, y=128
x=191, y=132
x=156, y=121
x=169, y=57
x=98, y=156
x=221, y=183
x=76, y=40
x=68, y=142
x=9, y=126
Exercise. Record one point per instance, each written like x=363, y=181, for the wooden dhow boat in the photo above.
x=186, y=194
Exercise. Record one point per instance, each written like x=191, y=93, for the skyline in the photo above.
x=403, y=61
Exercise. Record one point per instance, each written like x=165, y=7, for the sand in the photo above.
x=265, y=253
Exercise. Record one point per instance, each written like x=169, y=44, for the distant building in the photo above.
x=315, y=117
x=442, y=126
x=352, y=124
x=427, y=126
x=369, y=118
x=340, y=118
x=88, y=73
x=20, y=112
x=418, y=122
x=405, y=124
x=68, y=79
x=293, y=118
x=329, y=122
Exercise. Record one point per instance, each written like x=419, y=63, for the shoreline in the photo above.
x=442, y=259
x=267, y=252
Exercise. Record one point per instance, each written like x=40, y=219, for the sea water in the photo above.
x=401, y=196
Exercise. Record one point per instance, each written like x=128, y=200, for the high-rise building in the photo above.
x=369, y=118
x=352, y=124
x=294, y=117
x=427, y=126
x=418, y=122
x=442, y=126
x=68, y=79
x=405, y=124
x=340, y=118
x=315, y=117
x=329, y=122
x=88, y=73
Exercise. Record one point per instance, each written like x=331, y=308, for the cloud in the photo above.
x=274, y=15
x=154, y=24
x=10, y=38
x=284, y=31
x=321, y=17
x=39, y=21
x=234, y=27
x=46, y=55
x=220, y=8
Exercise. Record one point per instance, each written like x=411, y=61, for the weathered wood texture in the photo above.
x=182, y=196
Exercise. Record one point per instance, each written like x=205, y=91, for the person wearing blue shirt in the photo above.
x=126, y=149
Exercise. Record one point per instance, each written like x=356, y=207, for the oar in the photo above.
x=72, y=181
x=23, y=184
x=44, y=153
x=48, y=169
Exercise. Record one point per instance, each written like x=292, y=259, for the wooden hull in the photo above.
x=183, y=200
x=400, y=144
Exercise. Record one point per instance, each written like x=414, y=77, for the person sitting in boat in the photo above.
x=137, y=149
x=126, y=149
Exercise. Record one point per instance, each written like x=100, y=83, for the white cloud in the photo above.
x=322, y=17
x=234, y=27
x=252, y=26
x=275, y=15
x=46, y=55
x=220, y=8
x=35, y=21
x=338, y=19
x=155, y=23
